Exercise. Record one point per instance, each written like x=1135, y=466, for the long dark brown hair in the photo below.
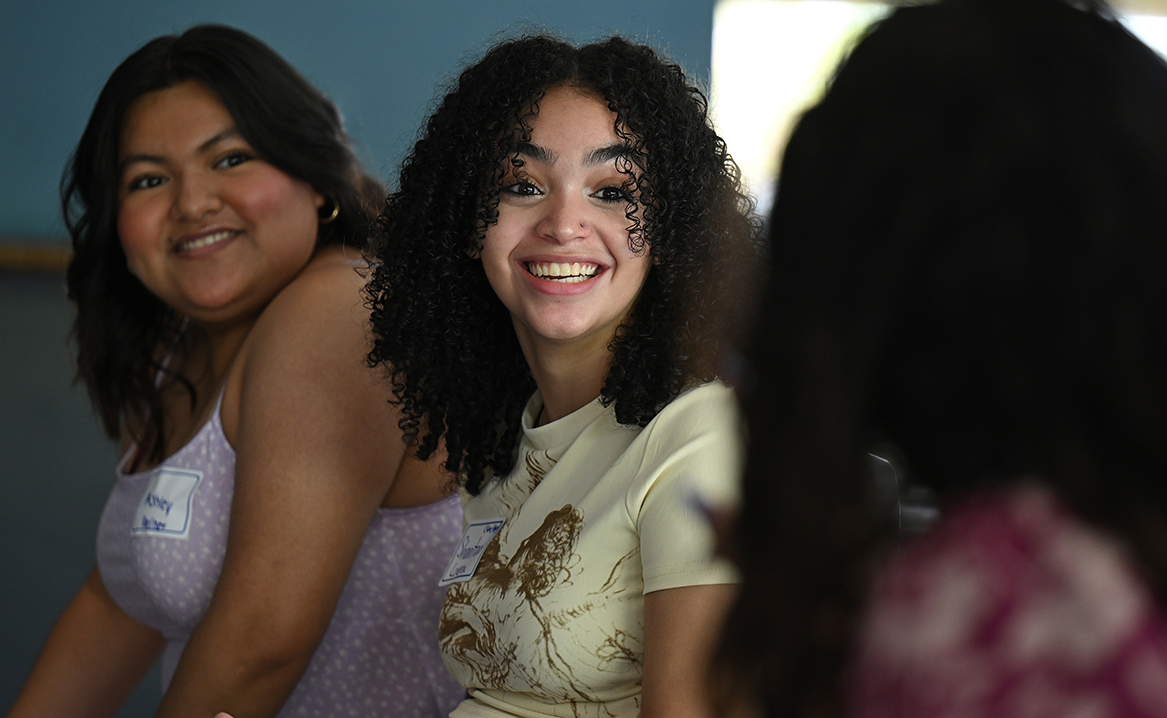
x=120, y=325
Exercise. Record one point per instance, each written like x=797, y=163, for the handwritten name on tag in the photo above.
x=164, y=510
x=469, y=552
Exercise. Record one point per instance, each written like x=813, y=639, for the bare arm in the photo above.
x=681, y=626
x=92, y=661
x=317, y=451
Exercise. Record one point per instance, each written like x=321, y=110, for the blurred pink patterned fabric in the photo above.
x=1010, y=607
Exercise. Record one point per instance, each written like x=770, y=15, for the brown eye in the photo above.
x=232, y=160
x=613, y=194
x=522, y=189
x=146, y=182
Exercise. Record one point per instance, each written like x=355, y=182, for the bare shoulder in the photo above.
x=319, y=319
x=315, y=332
x=308, y=348
x=328, y=290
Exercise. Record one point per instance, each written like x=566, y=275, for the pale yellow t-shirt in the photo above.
x=597, y=514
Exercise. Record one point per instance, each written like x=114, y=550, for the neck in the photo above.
x=568, y=376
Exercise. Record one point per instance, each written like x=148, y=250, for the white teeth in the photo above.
x=204, y=241
x=563, y=271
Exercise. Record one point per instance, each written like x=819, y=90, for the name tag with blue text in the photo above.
x=469, y=552
x=165, y=508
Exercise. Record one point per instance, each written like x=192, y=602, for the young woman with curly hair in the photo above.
x=551, y=293
x=221, y=334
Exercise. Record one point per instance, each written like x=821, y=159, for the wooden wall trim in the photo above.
x=29, y=255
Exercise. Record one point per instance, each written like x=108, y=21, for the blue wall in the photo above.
x=379, y=60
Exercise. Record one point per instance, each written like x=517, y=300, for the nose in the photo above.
x=565, y=218
x=196, y=197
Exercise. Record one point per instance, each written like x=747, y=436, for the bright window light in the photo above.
x=1151, y=29
x=772, y=59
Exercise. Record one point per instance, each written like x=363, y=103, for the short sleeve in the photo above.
x=693, y=459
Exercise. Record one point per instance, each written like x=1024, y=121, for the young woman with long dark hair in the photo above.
x=267, y=536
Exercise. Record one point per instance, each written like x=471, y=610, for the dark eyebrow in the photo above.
x=131, y=159
x=604, y=155
x=541, y=155
x=225, y=134
x=599, y=156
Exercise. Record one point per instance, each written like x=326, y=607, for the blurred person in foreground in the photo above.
x=969, y=246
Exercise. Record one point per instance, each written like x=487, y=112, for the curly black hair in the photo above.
x=120, y=326
x=967, y=264
x=454, y=359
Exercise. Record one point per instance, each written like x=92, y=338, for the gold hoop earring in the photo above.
x=333, y=215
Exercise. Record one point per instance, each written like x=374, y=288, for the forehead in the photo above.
x=189, y=112
x=570, y=117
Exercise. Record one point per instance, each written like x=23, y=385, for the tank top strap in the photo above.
x=132, y=454
x=171, y=348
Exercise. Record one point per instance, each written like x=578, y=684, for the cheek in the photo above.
x=273, y=196
x=636, y=268
x=641, y=273
x=646, y=265
x=138, y=229
x=493, y=257
x=284, y=211
x=618, y=242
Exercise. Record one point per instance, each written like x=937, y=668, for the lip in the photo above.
x=203, y=242
x=555, y=287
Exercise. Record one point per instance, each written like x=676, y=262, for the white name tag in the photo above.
x=470, y=550
x=165, y=507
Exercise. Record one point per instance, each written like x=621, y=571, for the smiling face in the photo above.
x=207, y=226
x=559, y=256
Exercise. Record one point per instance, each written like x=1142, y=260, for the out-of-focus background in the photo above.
x=382, y=63
x=772, y=58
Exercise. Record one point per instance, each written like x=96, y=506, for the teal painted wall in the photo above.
x=380, y=61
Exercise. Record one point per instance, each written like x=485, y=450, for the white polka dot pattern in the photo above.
x=380, y=653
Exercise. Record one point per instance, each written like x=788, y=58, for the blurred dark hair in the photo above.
x=455, y=360
x=968, y=251
x=120, y=325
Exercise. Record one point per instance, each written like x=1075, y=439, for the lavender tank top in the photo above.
x=160, y=546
